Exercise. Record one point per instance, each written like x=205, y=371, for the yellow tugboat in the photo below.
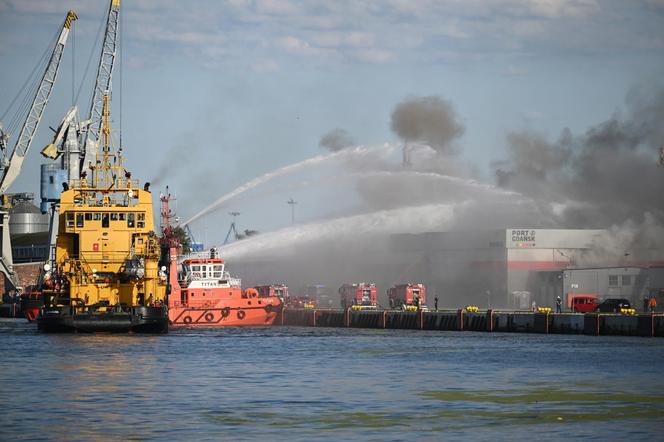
x=105, y=275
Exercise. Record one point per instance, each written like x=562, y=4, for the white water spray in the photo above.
x=358, y=151
x=406, y=219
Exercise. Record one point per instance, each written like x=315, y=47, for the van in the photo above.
x=613, y=305
x=584, y=303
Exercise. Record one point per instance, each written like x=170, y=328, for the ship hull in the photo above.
x=222, y=317
x=30, y=305
x=137, y=320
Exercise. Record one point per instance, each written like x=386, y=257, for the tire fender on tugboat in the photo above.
x=225, y=312
x=187, y=320
x=241, y=314
x=209, y=317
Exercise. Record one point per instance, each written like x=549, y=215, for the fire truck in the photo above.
x=407, y=296
x=278, y=290
x=359, y=296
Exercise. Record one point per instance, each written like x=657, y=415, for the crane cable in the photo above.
x=24, y=106
x=31, y=82
x=29, y=77
x=92, y=53
x=120, y=65
x=73, y=61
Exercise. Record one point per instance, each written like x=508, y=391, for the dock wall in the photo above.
x=646, y=324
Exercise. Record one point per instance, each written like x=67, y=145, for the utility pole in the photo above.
x=291, y=202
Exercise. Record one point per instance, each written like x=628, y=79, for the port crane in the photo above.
x=10, y=165
x=232, y=227
x=76, y=141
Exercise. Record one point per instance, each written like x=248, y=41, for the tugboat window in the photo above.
x=130, y=220
x=123, y=216
x=70, y=219
x=97, y=216
x=104, y=220
x=114, y=216
x=88, y=217
x=79, y=220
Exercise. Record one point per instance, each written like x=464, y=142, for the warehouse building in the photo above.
x=510, y=268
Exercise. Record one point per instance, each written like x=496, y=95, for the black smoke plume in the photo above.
x=429, y=120
x=336, y=139
x=600, y=178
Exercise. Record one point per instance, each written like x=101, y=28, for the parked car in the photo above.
x=613, y=305
x=584, y=303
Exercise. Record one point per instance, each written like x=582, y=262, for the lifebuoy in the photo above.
x=225, y=312
x=187, y=319
x=241, y=314
x=209, y=317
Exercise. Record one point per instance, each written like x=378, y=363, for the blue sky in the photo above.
x=229, y=90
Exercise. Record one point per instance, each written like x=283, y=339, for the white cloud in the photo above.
x=374, y=31
x=277, y=7
x=48, y=7
x=294, y=45
x=347, y=39
x=515, y=71
x=266, y=65
x=563, y=8
x=373, y=56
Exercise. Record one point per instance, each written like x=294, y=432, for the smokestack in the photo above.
x=406, y=155
x=428, y=120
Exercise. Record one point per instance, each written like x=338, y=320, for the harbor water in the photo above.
x=328, y=384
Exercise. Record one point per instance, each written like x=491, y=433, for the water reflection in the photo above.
x=334, y=384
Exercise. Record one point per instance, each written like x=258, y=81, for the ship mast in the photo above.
x=108, y=173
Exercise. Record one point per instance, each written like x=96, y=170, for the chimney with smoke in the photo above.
x=429, y=120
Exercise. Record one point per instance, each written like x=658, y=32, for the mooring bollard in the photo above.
x=460, y=319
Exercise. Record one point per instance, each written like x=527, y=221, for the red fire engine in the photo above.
x=278, y=290
x=410, y=296
x=359, y=296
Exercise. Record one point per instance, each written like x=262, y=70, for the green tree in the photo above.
x=183, y=237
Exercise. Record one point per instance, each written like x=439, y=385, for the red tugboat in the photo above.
x=203, y=294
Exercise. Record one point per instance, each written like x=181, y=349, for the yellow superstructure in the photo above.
x=107, y=253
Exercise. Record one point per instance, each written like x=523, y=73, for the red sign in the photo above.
x=95, y=247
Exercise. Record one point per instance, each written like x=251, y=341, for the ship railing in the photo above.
x=205, y=254
x=104, y=256
x=121, y=184
x=89, y=260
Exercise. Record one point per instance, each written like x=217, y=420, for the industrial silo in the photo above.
x=25, y=217
x=52, y=179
